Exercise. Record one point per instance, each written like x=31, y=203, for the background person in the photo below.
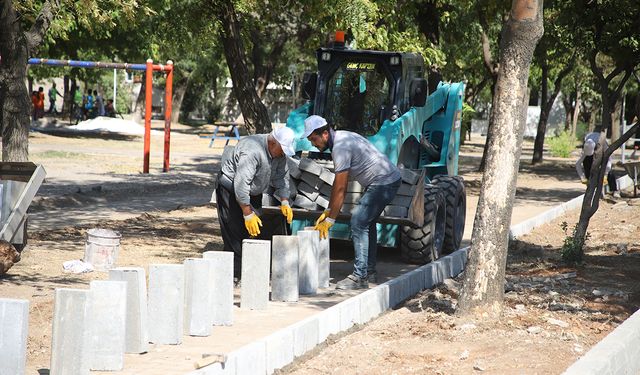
x=585, y=162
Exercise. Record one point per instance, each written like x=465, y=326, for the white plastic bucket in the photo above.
x=101, y=249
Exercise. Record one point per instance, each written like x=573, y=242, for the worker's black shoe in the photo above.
x=372, y=277
x=352, y=282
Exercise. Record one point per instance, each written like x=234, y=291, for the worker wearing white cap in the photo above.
x=248, y=169
x=355, y=158
x=583, y=165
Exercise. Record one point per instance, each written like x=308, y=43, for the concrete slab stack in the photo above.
x=309, y=241
x=70, y=352
x=137, y=333
x=256, y=261
x=14, y=325
x=198, y=312
x=221, y=286
x=107, y=331
x=284, y=269
x=166, y=303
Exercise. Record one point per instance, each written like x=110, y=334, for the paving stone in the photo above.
x=322, y=201
x=284, y=269
x=324, y=262
x=395, y=211
x=373, y=302
x=327, y=176
x=409, y=176
x=310, y=166
x=305, y=336
x=407, y=189
x=401, y=201
x=252, y=358
x=294, y=167
x=428, y=274
x=399, y=290
x=137, y=331
x=308, y=191
x=325, y=190
x=279, y=349
x=349, y=313
x=70, y=352
x=198, y=314
x=457, y=262
x=166, y=303
x=221, y=286
x=14, y=325
x=309, y=242
x=304, y=202
x=416, y=281
x=108, y=325
x=256, y=261
x=312, y=180
x=328, y=322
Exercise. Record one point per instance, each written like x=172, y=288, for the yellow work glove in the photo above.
x=253, y=223
x=323, y=224
x=605, y=181
x=584, y=180
x=286, y=211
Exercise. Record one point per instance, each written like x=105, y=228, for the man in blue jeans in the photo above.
x=355, y=158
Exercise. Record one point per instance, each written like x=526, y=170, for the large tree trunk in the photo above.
x=15, y=48
x=138, y=110
x=483, y=290
x=492, y=68
x=255, y=113
x=179, y=89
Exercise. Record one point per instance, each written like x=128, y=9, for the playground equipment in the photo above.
x=149, y=67
x=383, y=96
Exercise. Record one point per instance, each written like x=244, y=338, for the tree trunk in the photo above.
x=576, y=112
x=66, y=104
x=492, y=68
x=254, y=112
x=179, y=89
x=483, y=290
x=138, y=110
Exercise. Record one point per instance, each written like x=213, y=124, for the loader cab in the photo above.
x=358, y=90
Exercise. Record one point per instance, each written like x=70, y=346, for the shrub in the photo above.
x=562, y=145
x=572, y=250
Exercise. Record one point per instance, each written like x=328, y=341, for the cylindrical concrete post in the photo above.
x=221, y=286
x=256, y=259
x=198, y=315
x=14, y=325
x=284, y=269
x=137, y=332
x=166, y=303
x=108, y=325
x=308, y=242
x=70, y=333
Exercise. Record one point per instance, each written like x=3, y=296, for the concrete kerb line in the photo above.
x=370, y=304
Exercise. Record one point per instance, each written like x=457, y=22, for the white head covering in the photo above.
x=285, y=137
x=313, y=123
x=589, y=147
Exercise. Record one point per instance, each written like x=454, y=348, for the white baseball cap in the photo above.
x=313, y=123
x=589, y=147
x=285, y=137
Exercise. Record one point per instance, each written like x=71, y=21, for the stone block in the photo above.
x=406, y=190
x=310, y=166
x=446, y=267
x=373, y=302
x=324, y=262
x=349, y=313
x=284, y=268
x=325, y=190
x=416, y=281
x=305, y=336
x=14, y=325
x=312, y=180
x=400, y=200
x=166, y=303
x=251, y=359
x=221, y=286
x=409, y=176
x=457, y=262
x=304, y=202
x=107, y=328
x=294, y=167
x=354, y=187
x=428, y=274
x=256, y=261
x=137, y=331
x=198, y=312
x=398, y=290
x=279, y=349
x=322, y=201
x=308, y=242
x=70, y=353
x=395, y=211
x=308, y=191
x=327, y=176
x=328, y=322
x=438, y=273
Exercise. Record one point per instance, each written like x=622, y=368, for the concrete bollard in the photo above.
x=256, y=259
x=14, y=325
x=198, y=314
x=166, y=303
x=284, y=269
x=108, y=325
x=70, y=352
x=137, y=333
x=324, y=262
x=308, y=242
x=221, y=286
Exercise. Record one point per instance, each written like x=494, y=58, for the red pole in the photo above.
x=148, y=98
x=168, y=97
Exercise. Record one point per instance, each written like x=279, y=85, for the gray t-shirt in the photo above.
x=366, y=164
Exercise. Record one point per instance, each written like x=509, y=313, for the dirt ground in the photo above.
x=554, y=313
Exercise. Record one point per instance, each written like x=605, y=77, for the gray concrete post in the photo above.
x=324, y=263
x=198, y=314
x=166, y=303
x=284, y=269
x=70, y=352
x=221, y=286
x=308, y=267
x=14, y=325
x=108, y=325
x=256, y=258
x=137, y=331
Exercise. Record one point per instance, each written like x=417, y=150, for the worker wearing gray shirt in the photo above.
x=355, y=158
x=248, y=169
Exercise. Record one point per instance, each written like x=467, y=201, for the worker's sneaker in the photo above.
x=352, y=282
x=372, y=277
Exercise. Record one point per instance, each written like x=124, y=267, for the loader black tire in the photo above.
x=421, y=245
x=456, y=197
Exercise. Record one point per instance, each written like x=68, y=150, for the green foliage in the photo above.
x=562, y=145
x=582, y=128
x=572, y=250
